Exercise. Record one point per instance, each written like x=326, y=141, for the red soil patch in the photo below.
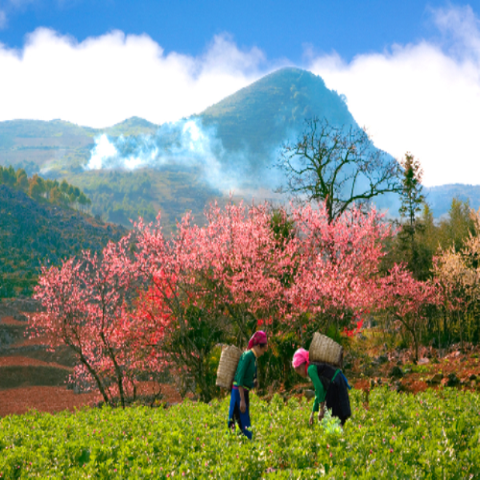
x=416, y=386
x=12, y=321
x=26, y=361
x=44, y=399
x=55, y=399
x=362, y=385
x=171, y=394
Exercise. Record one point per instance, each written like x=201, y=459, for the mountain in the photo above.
x=234, y=148
x=33, y=233
x=250, y=126
x=273, y=109
x=440, y=197
x=132, y=126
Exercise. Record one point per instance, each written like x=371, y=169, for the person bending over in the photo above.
x=331, y=386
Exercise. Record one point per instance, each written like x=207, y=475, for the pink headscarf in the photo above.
x=257, y=338
x=299, y=357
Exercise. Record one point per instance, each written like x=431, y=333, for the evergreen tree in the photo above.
x=426, y=244
x=457, y=227
x=412, y=197
x=411, y=204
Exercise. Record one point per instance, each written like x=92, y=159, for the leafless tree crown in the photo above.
x=337, y=165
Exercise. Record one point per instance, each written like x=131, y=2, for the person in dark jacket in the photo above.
x=244, y=381
x=331, y=386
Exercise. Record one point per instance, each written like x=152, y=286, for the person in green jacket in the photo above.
x=331, y=387
x=243, y=382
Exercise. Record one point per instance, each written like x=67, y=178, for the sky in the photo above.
x=410, y=70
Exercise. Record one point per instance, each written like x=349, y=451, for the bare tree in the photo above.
x=338, y=165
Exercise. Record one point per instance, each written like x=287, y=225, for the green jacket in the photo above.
x=246, y=370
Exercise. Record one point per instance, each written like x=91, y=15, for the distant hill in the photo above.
x=440, y=198
x=39, y=147
x=57, y=148
x=132, y=126
x=34, y=233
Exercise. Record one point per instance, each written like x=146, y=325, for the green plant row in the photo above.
x=430, y=435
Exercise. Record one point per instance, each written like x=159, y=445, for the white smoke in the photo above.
x=189, y=145
x=103, y=152
x=122, y=153
x=185, y=144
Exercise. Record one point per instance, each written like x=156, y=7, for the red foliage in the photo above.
x=121, y=311
x=407, y=300
x=88, y=307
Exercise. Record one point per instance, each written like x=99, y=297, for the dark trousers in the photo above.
x=236, y=416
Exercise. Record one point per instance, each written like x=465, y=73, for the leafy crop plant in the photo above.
x=430, y=435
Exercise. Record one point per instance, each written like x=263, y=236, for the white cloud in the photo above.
x=103, y=80
x=422, y=97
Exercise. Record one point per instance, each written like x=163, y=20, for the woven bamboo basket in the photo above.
x=227, y=366
x=325, y=350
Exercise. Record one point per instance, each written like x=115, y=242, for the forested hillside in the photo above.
x=50, y=191
x=119, y=196
x=34, y=233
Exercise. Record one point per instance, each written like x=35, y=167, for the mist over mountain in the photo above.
x=138, y=168
x=236, y=141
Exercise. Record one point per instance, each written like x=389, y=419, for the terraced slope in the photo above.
x=33, y=376
x=26, y=363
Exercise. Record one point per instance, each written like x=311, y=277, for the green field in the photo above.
x=430, y=435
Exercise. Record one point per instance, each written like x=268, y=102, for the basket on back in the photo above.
x=325, y=350
x=227, y=366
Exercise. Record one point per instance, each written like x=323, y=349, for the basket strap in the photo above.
x=336, y=373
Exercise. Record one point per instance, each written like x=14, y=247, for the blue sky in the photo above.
x=410, y=70
x=280, y=28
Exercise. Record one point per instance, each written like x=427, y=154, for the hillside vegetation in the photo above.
x=119, y=196
x=50, y=191
x=34, y=233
